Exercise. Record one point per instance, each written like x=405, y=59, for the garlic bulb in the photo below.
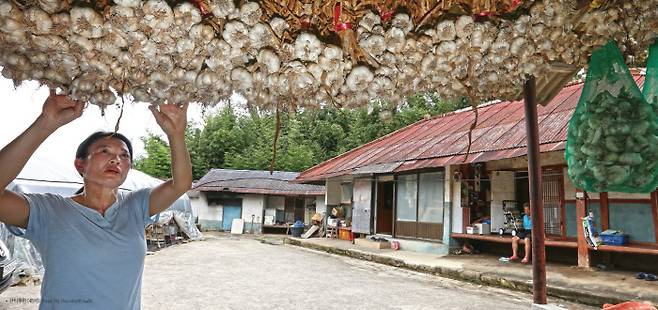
x=395, y=40
x=129, y=3
x=80, y=44
x=279, y=26
x=236, y=34
x=206, y=78
x=303, y=83
x=307, y=47
x=123, y=18
x=158, y=15
x=103, y=98
x=260, y=36
x=375, y=45
x=270, y=59
x=51, y=6
x=464, y=26
x=186, y=15
x=241, y=79
x=87, y=23
x=222, y=8
x=50, y=42
x=250, y=13
x=359, y=78
x=381, y=86
x=202, y=34
x=9, y=25
x=219, y=52
x=369, y=20
x=37, y=21
x=403, y=22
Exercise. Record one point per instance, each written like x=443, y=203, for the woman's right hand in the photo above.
x=59, y=110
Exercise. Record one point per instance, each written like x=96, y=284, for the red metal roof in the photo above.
x=443, y=140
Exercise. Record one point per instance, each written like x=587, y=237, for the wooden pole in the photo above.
x=536, y=196
x=584, y=256
x=654, y=212
x=605, y=207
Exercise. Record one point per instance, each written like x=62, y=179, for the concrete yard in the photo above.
x=226, y=272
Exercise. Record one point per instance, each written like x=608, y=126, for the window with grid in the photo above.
x=552, y=182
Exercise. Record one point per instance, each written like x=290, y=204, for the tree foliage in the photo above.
x=234, y=141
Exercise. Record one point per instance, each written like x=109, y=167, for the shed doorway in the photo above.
x=384, y=208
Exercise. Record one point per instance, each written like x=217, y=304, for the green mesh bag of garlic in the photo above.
x=650, y=88
x=612, y=139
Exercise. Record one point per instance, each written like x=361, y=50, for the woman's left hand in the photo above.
x=172, y=118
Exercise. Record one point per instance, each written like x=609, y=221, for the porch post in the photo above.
x=654, y=212
x=447, y=206
x=584, y=255
x=535, y=191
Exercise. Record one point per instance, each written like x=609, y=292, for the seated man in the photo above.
x=524, y=234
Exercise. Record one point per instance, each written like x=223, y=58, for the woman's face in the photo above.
x=107, y=164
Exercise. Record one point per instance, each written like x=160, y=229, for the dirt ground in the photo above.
x=227, y=272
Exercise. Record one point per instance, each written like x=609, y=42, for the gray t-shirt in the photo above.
x=91, y=261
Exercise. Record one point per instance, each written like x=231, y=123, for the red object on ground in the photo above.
x=345, y=233
x=629, y=305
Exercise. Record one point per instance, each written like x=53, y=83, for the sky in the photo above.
x=20, y=106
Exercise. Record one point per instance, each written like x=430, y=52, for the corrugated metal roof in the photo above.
x=377, y=168
x=443, y=140
x=255, y=182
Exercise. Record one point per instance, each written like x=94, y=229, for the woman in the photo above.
x=93, y=243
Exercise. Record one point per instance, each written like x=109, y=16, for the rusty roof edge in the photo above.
x=481, y=151
x=408, y=127
x=323, y=176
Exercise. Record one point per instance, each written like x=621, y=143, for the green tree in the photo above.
x=235, y=141
x=157, y=162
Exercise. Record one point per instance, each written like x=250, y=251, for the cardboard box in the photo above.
x=483, y=228
x=472, y=230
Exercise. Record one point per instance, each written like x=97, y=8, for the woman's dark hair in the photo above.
x=83, y=148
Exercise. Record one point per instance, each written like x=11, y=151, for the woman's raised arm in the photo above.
x=57, y=111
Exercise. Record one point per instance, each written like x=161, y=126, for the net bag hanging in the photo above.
x=650, y=88
x=612, y=139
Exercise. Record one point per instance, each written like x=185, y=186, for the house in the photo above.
x=266, y=202
x=424, y=184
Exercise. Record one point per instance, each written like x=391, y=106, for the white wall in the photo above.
x=252, y=204
x=209, y=212
x=457, y=215
x=274, y=203
x=502, y=188
x=320, y=206
x=197, y=203
x=333, y=192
